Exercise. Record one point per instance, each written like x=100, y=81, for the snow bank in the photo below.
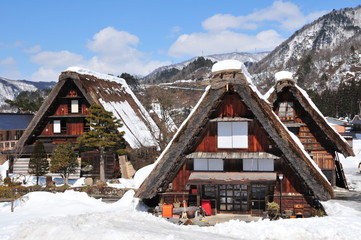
x=3, y=168
x=73, y=215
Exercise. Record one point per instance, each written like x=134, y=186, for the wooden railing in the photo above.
x=7, y=145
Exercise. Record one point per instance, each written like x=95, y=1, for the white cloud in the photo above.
x=197, y=44
x=46, y=74
x=112, y=42
x=114, y=51
x=57, y=59
x=9, y=69
x=53, y=63
x=286, y=14
x=8, y=61
x=33, y=49
x=222, y=31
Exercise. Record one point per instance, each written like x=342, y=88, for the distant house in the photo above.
x=233, y=154
x=61, y=118
x=301, y=116
x=12, y=126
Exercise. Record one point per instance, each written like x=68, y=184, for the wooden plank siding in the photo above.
x=308, y=133
x=233, y=106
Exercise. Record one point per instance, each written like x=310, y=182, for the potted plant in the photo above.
x=273, y=210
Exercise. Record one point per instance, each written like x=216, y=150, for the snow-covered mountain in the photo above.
x=9, y=89
x=171, y=70
x=322, y=53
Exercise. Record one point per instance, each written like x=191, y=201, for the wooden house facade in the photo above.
x=300, y=115
x=12, y=126
x=234, y=154
x=61, y=118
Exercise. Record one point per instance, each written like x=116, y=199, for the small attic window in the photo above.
x=286, y=110
x=74, y=106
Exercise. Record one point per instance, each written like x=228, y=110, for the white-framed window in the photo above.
x=262, y=164
x=208, y=164
x=74, y=106
x=56, y=126
x=232, y=135
x=286, y=109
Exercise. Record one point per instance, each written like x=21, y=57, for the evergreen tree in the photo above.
x=103, y=135
x=132, y=81
x=304, y=70
x=38, y=164
x=63, y=161
x=28, y=101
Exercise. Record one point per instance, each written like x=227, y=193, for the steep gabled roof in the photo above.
x=114, y=95
x=173, y=157
x=307, y=104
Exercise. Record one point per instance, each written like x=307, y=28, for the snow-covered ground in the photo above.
x=74, y=215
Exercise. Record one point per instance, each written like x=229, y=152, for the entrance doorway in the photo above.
x=258, y=199
x=233, y=198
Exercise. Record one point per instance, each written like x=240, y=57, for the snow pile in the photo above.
x=73, y=215
x=3, y=169
x=227, y=65
x=283, y=75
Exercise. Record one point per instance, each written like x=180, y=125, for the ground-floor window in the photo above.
x=243, y=198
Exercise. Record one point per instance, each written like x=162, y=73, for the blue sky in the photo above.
x=41, y=38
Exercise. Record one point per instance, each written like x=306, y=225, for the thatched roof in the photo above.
x=286, y=85
x=174, y=156
x=113, y=94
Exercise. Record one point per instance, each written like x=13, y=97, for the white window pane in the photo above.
x=249, y=164
x=56, y=124
x=200, y=164
x=74, y=106
x=240, y=134
x=224, y=135
x=215, y=164
x=265, y=164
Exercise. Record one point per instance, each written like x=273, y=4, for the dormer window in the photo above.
x=74, y=106
x=233, y=134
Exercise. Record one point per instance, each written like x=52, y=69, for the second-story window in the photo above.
x=258, y=165
x=74, y=106
x=232, y=134
x=56, y=126
x=207, y=164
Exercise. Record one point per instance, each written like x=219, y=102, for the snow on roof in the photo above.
x=312, y=104
x=227, y=65
x=140, y=129
x=103, y=76
x=137, y=133
x=283, y=75
x=149, y=168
